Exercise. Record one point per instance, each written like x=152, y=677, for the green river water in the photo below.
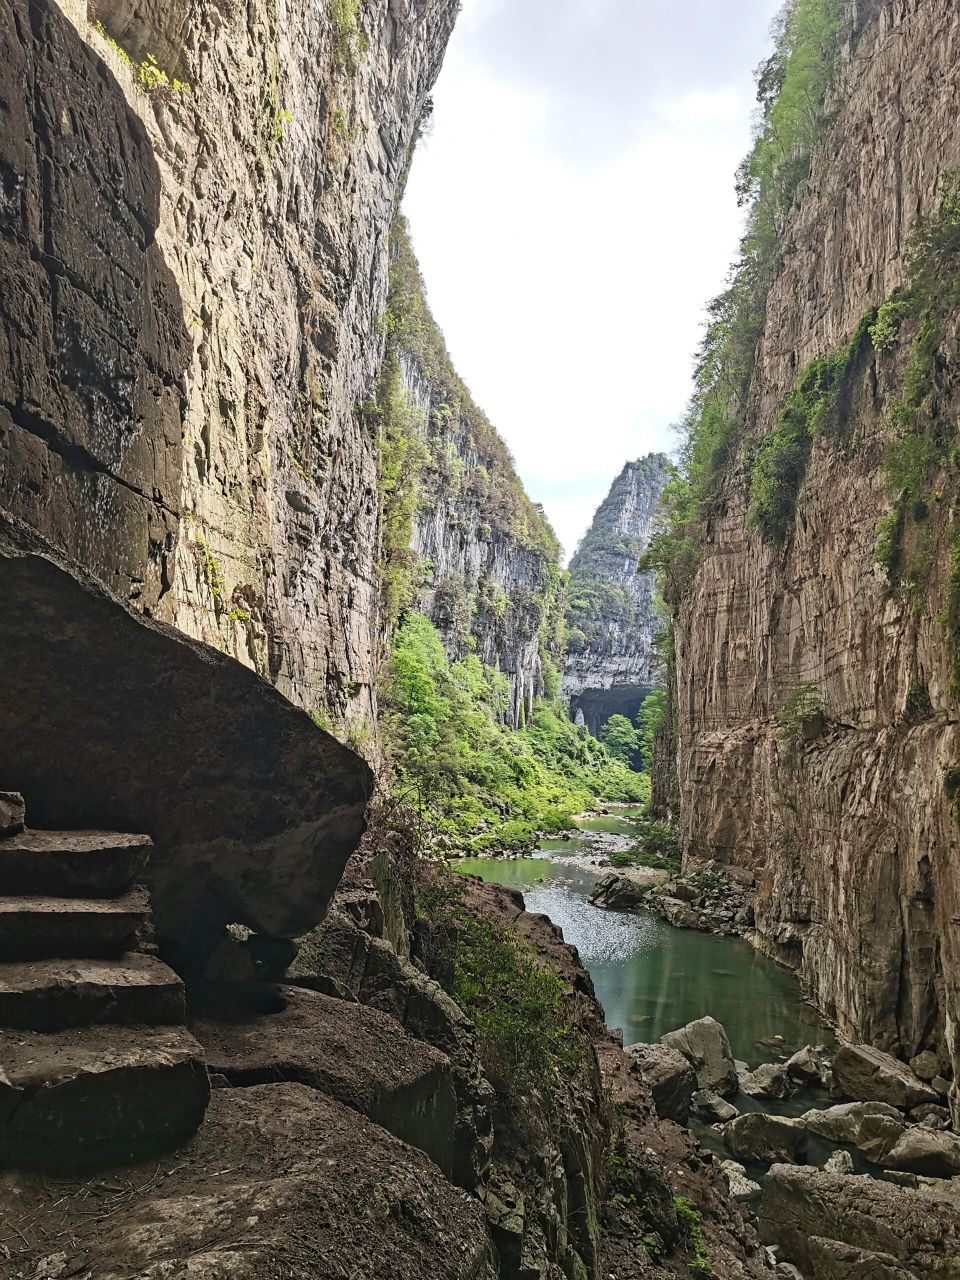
x=649, y=976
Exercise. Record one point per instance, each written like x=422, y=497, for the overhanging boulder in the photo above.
x=109, y=719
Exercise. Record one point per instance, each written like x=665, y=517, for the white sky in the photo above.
x=573, y=211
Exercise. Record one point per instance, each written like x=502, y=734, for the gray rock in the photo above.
x=839, y=1162
x=805, y=1066
x=670, y=1078
x=802, y=1206
x=787, y=1271
x=680, y=914
x=274, y=805
x=741, y=1187
x=870, y=1075
x=941, y=1086
x=617, y=893
x=351, y=1053
x=832, y=1260
x=925, y=1151
x=770, y=1080
x=928, y=1109
x=705, y=1045
x=872, y=1127
x=712, y=1108
x=926, y=1065
x=754, y=1136
x=12, y=813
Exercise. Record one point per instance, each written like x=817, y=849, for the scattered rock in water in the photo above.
x=870, y=1075
x=679, y=913
x=770, y=1080
x=712, y=1108
x=742, y=1188
x=807, y=1066
x=765, y=1139
x=704, y=1044
x=708, y=896
x=873, y=1128
x=617, y=893
x=670, y=1078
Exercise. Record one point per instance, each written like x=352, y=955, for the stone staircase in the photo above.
x=96, y=1065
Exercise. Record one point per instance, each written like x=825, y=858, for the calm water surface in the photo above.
x=649, y=976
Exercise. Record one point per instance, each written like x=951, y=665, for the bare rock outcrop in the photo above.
x=279, y=1180
x=853, y=832
x=108, y=719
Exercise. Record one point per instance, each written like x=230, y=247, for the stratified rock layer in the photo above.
x=109, y=719
x=194, y=272
x=610, y=664
x=850, y=831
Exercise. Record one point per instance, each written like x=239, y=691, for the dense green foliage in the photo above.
x=649, y=719
x=657, y=846
x=781, y=458
x=621, y=739
x=477, y=782
x=519, y=1006
x=793, y=91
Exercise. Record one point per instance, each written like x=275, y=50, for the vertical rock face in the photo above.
x=610, y=664
x=847, y=813
x=487, y=569
x=195, y=201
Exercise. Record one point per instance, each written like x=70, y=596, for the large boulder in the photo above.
x=741, y=1187
x=764, y=1139
x=870, y=1075
x=705, y=1046
x=769, y=1080
x=807, y=1066
x=669, y=1076
x=356, y=1055
x=802, y=1206
x=680, y=914
x=712, y=1108
x=925, y=1151
x=617, y=893
x=279, y=1181
x=872, y=1127
x=109, y=719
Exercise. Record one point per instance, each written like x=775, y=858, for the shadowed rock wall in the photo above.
x=108, y=719
x=851, y=830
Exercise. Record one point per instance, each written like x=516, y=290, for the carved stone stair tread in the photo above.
x=38, y=927
x=50, y=995
x=88, y=1098
x=72, y=863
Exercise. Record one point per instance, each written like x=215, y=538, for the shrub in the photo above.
x=519, y=1006
x=620, y=738
x=691, y=1227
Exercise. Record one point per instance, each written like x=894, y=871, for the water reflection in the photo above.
x=651, y=977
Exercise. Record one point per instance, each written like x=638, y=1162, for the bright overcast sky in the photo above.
x=573, y=211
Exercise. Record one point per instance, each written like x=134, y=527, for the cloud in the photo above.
x=573, y=211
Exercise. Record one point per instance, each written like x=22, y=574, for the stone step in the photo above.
x=33, y=928
x=98, y=1096
x=85, y=864
x=50, y=995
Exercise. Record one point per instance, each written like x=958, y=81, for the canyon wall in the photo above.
x=610, y=664
x=194, y=223
x=816, y=698
x=486, y=563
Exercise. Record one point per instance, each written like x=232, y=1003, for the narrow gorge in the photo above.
x=382, y=899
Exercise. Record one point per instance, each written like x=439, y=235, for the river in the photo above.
x=649, y=976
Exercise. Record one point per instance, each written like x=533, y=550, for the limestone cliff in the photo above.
x=816, y=692
x=610, y=663
x=196, y=203
x=485, y=562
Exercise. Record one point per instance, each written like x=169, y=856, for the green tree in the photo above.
x=621, y=739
